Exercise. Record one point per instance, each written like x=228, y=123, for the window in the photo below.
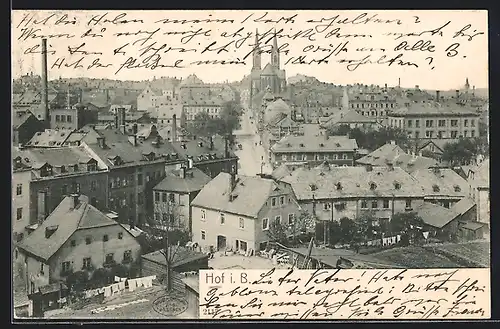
x=273, y=202
x=327, y=206
x=19, y=213
x=157, y=196
x=454, y=134
x=203, y=235
x=472, y=133
x=41, y=268
x=472, y=123
x=110, y=258
x=417, y=123
x=429, y=134
x=120, y=235
x=105, y=238
x=417, y=134
x=374, y=204
x=291, y=219
x=242, y=245
x=87, y=262
x=73, y=243
x=66, y=267
x=140, y=198
x=77, y=187
x=68, y=118
x=410, y=123
x=282, y=200
x=428, y=123
x=386, y=204
x=457, y=188
x=466, y=123
x=58, y=118
x=242, y=222
x=364, y=204
x=19, y=189
x=441, y=134
x=265, y=224
x=454, y=123
x=373, y=186
x=139, y=179
x=222, y=219
x=63, y=118
x=466, y=133
x=171, y=197
x=93, y=185
x=164, y=197
x=277, y=219
x=408, y=204
x=88, y=240
x=203, y=215
x=442, y=123
x=127, y=256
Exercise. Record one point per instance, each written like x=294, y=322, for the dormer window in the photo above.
x=457, y=188
x=313, y=187
x=435, y=188
x=397, y=185
x=338, y=186
x=337, y=144
x=373, y=186
x=321, y=145
x=301, y=145
x=75, y=168
x=63, y=169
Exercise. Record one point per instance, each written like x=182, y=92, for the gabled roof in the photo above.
x=435, y=215
x=433, y=108
x=329, y=182
x=193, y=181
x=19, y=118
x=268, y=70
x=319, y=143
x=252, y=193
x=65, y=220
x=348, y=116
x=50, y=138
x=482, y=175
x=396, y=155
x=192, y=79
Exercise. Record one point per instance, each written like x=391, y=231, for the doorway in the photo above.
x=221, y=242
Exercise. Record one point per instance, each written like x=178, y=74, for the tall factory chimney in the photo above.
x=45, y=89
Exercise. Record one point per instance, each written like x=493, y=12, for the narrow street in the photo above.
x=252, y=156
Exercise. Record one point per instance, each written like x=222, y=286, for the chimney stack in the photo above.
x=101, y=142
x=68, y=97
x=233, y=179
x=120, y=120
x=45, y=88
x=399, y=82
x=457, y=94
x=183, y=172
x=174, y=128
x=42, y=206
x=133, y=139
x=211, y=143
x=437, y=96
x=74, y=201
x=134, y=128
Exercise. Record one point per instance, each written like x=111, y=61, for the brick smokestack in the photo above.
x=45, y=88
x=174, y=128
x=437, y=96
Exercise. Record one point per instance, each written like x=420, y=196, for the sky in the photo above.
x=424, y=48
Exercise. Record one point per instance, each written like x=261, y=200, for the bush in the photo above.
x=101, y=277
x=119, y=270
x=77, y=280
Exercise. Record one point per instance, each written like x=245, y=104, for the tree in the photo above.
x=372, y=140
x=408, y=223
x=163, y=230
x=277, y=232
x=77, y=280
x=461, y=152
x=365, y=225
x=348, y=230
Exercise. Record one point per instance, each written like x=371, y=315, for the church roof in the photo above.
x=268, y=70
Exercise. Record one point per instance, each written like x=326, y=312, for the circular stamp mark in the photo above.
x=170, y=306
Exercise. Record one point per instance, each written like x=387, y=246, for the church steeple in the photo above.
x=275, y=56
x=467, y=86
x=256, y=53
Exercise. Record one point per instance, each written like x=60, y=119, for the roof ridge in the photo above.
x=85, y=210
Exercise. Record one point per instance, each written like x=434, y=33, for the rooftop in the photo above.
x=435, y=215
x=50, y=138
x=83, y=216
x=193, y=181
x=248, y=196
x=439, y=182
x=312, y=143
x=329, y=182
x=434, y=108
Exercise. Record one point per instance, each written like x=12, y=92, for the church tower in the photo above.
x=467, y=86
x=256, y=54
x=275, y=56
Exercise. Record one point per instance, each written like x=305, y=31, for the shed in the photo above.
x=185, y=260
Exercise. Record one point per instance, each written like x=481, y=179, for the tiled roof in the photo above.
x=433, y=108
x=20, y=118
x=435, y=215
x=396, y=155
x=117, y=144
x=278, y=105
x=50, y=138
x=463, y=205
x=286, y=169
x=323, y=181
x=441, y=182
x=348, y=116
x=194, y=180
x=192, y=148
x=252, y=193
x=192, y=79
x=65, y=221
x=56, y=157
x=314, y=144
x=268, y=70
